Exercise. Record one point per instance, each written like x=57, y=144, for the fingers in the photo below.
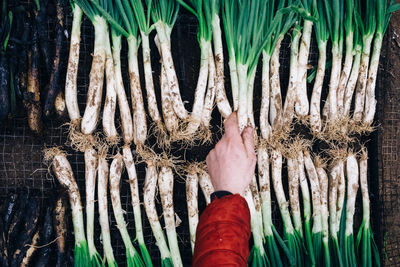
x=248, y=141
x=231, y=126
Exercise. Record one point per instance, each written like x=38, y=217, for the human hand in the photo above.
x=231, y=164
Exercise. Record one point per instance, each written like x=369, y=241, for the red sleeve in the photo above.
x=223, y=233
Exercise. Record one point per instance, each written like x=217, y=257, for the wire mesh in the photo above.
x=21, y=152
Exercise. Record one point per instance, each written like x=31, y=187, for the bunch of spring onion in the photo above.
x=367, y=252
x=116, y=169
x=348, y=247
x=102, y=189
x=71, y=89
x=203, y=12
x=164, y=14
x=322, y=36
x=271, y=85
x=63, y=171
x=323, y=183
x=220, y=94
x=143, y=21
x=384, y=11
x=150, y=186
x=334, y=21
x=123, y=21
x=309, y=9
x=192, y=189
x=247, y=32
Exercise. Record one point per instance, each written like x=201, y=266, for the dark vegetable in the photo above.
x=41, y=23
x=16, y=221
x=54, y=86
x=5, y=28
x=45, y=238
x=3, y=257
x=27, y=234
x=60, y=226
x=10, y=210
x=32, y=97
x=60, y=106
x=4, y=86
x=31, y=249
x=21, y=78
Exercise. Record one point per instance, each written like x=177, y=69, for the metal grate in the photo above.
x=21, y=152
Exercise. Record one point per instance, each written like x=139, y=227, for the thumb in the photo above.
x=248, y=141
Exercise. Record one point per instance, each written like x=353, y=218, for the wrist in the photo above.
x=219, y=194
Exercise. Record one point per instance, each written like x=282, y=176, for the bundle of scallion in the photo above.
x=247, y=32
x=63, y=171
x=164, y=14
x=132, y=256
x=334, y=21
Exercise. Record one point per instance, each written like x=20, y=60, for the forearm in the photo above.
x=223, y=232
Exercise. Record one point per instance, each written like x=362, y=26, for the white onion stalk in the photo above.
x=171, y=121
x=63, y=171
x=243, y=99
x=289, y=234
x=323, y=184
x=334, y=174
x=95, y=90
x=348, y=60
x=234, y=76
x=265, y=127
x=302, y=105
x=350, y=258
x=139, y=114
x=341, y=193
x=150, y=185
x=365, y=244
x=331, y=106
x=370, y=101
x=293, y=180
x=362, y=78
x=71, y=90
x=163, y=33
x=90, y=187
x=305, y=192
x=256, y=224
x=132, y=256
x=293, y=95
x=148, y=75
x=142, y=19
x=206, y=186
x=111, y=97
x=265, y=191
x=330, y=110
x=257, y=202
x=275, y=112
x=124, y=109
x=102, y=186
x=221, y=98
x=250, y=112
x=166, y=189
x=383, y=12
x=351, y=84
x=270, y=234
x=198, y=104
x=315, y=105
x=134, y=188
x=210, y=95
x=192, y=205
x=316, y=202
